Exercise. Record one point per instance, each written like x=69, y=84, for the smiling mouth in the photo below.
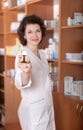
x=35, y=40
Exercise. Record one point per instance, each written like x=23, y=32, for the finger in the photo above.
x=20, y=58
x=28, y=62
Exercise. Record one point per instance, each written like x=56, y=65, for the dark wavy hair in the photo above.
x=32, y=19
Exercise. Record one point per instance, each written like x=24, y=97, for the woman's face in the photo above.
x=33, y=34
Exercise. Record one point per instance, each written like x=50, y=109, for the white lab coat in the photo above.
x=36, y=108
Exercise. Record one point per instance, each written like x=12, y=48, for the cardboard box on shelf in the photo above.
x=12, y=3
x=8, y=3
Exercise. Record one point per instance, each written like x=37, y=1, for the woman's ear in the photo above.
x=24, y=37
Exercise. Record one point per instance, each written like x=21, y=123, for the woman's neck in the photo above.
x=34, y=49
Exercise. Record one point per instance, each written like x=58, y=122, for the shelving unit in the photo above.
x=70, y=40
x=69, y=109
x=2, y=62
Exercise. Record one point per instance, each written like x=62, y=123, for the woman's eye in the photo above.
x=35, y=31
x=29, y=32
x=38, y=30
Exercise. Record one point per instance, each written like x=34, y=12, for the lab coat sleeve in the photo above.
x=51, y=83
x=18, y=82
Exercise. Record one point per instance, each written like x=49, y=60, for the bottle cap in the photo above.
x=50, y=40
x=24, y=52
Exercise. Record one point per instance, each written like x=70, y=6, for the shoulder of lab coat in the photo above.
x=43, y=52
x=18, y=82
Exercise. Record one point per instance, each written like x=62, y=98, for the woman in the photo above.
x=32, y=78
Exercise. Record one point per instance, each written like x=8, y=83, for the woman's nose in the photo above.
x=35, y=34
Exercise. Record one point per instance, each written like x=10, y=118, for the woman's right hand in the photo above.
x=26, y=70
x=25, y=67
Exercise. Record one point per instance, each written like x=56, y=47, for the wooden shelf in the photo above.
x=18, y=8
x=72, y=27
x=72, y=62
x=11, y=56
x=32, y=2
x=71, y=97
x=50, y=60
x=52, y=28
x=41, y=2
x=13, y=33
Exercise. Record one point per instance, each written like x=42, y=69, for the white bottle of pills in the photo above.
x=24, y=56
x=69, y=21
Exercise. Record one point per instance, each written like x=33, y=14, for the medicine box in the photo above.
x=74, y=57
